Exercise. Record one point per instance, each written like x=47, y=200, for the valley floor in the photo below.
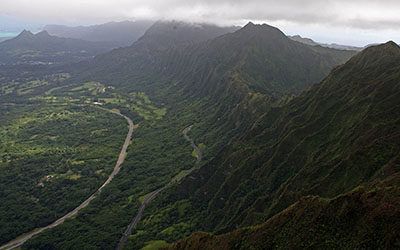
x=122, y=155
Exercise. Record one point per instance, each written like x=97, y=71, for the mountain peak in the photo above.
x=25, y=34
x=374, y=60
x=43, y=34
x=249, y=25
x=163, y=34
x=391, y=45
x=378, y=52
x=262, y=30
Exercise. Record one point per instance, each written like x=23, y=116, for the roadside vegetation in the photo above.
x=51, y=158
x=71, y=148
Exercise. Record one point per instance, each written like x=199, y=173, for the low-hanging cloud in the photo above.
x=364, y=14
x=356, y=22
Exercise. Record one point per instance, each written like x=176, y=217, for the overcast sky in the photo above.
x=353, y=22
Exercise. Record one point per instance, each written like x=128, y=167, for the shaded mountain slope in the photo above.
x=146, y=58
x=258, y=58
x=338, y=135
x=365, y=218
x=237, y=74
x=167, y=34
x=43, y=48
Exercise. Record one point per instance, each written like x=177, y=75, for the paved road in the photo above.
x=25, y=237
x=194, y=146
x=151, y=196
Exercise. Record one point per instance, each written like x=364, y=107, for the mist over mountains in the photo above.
x=309, y=41
x=120, y=33
x=42, y=48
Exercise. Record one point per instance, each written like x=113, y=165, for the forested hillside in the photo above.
x=340, y=134
x=366, y=217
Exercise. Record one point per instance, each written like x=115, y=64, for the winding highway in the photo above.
x=151, y=196
x=17, y=242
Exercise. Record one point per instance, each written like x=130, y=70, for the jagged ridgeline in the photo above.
x=256, y=58
x=42, y=48
x=366, y=217
x=342, y=133
x=245, y=70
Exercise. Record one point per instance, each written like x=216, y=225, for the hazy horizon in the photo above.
x=350, y=23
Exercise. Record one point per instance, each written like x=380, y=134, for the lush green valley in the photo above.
x=286, y=146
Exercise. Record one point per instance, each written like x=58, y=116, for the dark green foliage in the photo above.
x=158, y=153
x=341, y=133
x=256, y=58
x=51, y=159
x=366, y=218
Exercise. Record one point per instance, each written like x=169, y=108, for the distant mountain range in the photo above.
x=4, y=38
x=42, y=48
x=127, y=32
x=119, y=33
x=81, y=43
x=124, y=33
x=171, y=48
x=311, y=42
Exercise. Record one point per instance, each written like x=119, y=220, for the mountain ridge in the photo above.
x=46, y=49
x=351, y=220
x=339, y=134
x=311, y=42
x=122, y=33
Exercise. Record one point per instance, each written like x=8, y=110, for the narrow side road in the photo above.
x=17, y=242
x=199, y=153
x=151, y=196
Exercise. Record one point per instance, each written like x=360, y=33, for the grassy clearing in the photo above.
x=155, y=245
x=201, y=147
x=100, y=94
x=141, y=198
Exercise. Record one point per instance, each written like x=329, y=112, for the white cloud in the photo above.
x=362, y=16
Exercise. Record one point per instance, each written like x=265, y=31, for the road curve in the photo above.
x=17, y=242
x=151, y=196
x=199, y=153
